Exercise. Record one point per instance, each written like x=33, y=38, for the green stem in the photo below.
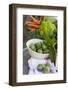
x=52, y=54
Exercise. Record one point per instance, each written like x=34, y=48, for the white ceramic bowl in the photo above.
x=33, y=53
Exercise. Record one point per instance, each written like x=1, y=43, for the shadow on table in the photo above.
x=26, y=56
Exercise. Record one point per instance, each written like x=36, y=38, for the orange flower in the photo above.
x=32, y=25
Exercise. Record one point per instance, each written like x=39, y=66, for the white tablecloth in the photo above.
x=33, y=63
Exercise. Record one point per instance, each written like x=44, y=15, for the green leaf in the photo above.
x=52, y=54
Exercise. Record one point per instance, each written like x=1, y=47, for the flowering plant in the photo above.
x=46, y=29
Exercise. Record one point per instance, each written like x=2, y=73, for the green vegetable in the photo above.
x=38, y=45
x=40, y=67
x=44, y=47
x=32, y=46
x=44, y=68
x=52, y=54
x=39, y=51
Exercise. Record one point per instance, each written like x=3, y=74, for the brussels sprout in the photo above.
x=46, y=69
x=44, y=46
x=32, y=46
x=38, y=45
x=40, y=67
x=39, y=51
